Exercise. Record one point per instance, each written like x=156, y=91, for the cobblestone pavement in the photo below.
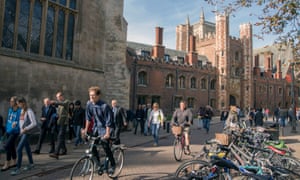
x=46, y=166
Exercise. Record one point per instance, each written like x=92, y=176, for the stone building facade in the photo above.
x=68, y=45
x=208, y=67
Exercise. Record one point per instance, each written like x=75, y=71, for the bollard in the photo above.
x=281, y=131
x=168, y=127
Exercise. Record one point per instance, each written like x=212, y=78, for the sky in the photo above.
x=143, y=16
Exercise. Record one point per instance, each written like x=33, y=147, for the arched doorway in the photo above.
x=232, y=100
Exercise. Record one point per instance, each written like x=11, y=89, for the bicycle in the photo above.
x=179, y=143
x=88, y=164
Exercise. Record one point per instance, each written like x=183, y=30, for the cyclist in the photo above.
x=183, y=117
x=101, y=113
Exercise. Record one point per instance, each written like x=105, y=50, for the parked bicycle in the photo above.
x=92, y=162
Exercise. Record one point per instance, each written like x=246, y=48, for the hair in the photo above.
x=96, y=89
x=156, y=104
x=25, y=107
x=14, y=98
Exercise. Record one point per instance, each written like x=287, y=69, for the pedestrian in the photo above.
x=119, y=118
x=139, y=117
x=251, y=116
x=283, y=115
x=224, y=116
x=156, y=120
x=207, y=118
x=47, y=112
x=232, y=119
x=62, y=122
x=183, y=117
x=71, y=131
x=27, y=125
x=200, y=117
x=12, y=132
x=78, y=120
x=259, y=118
x=147, y=111
x=2, y=135
x=276, y=114
x=102, y=114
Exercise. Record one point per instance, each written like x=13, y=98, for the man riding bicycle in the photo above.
x=101, y=113
x=183, y=117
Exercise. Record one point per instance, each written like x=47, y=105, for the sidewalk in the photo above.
x=45, y=165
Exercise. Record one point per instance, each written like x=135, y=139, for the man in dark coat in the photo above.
x=119, y=120
x=47, y=112
x=259, y=118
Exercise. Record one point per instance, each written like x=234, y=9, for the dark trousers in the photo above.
x=141, y=122
x=71, y=132
x=42, y=136
x=10, y=146
x=53, y=132
x=61, y=139
x=117, y=133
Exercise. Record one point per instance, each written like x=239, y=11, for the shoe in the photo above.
x=63, y=153
x=36, y=152
x=155, y=144
x=28, y=167
x=5, y=168
x=12, y=166
x=15, y=172
x=111, y=170
x=54, y=156
x=51, y=151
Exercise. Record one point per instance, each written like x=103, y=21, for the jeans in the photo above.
x=155, y=132
x=206, y=124
x=23, y=143
x=282, y=121
x=61, y=139
x=78, y=134
x=10, y=146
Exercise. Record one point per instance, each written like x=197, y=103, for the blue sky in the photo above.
x=144, y=15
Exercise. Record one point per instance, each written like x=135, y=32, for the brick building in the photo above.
x=208, y=67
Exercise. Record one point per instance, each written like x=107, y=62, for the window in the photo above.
x=141, y=99
x=213, y=103
x=271, y=90
x=181, y=82
x=190, y=102
x=193, y=83
x=213, y=84
x=155, y=99
x=54, y=40
x=177, y=101
x=142, y=78
x=167, y=58
x=203, y=83
x=200, y=64
x=236, y=57
x=170, y=80
x=145, y=53
x=280, y=91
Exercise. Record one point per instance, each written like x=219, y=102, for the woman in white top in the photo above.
x=27, y=124
x=156, y=120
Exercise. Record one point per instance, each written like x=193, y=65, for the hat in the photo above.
x=77, y=103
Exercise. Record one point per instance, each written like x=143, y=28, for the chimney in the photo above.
x=278, y=74
x=192, y=44
x=267, y=64
x=192, y=55
x=256, y=66
x=158, y=50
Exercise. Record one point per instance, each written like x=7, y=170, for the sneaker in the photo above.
x=155, y=144
x=15, y=172
x=111, y=170
x=36, y=152
x=28, y=167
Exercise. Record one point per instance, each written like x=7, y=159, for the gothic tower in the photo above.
x=247, y=64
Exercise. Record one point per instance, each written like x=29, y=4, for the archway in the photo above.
x=232, y=100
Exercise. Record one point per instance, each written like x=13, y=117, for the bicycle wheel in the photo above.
x=199, y=170
x=83, y=169
x=177, y=151
x=118, y=154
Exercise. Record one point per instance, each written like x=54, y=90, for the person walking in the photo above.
x=26, y=125
x=259, y=118
x=62, y=122
x=156, y=119
x=207, y=118
x=119, y=118
x=139, y=117
x=251, y=116
x=12, y=132
x=101, y=113
x=78, y=120
x=224, y=116
x=47, y=112
x=71, y=131
x=147, y=111
x=183, y=117
x=232, y=119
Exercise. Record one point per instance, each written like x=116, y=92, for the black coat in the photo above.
x=48, y=115
x=79, y=117
x=119, y=116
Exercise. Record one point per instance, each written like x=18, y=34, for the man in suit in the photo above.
x=47, y=113
x=119, y=120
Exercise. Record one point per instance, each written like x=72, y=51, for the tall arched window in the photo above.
x=213, y=84
x=203, y=83
x=142, y=78
x=193, y=83
x=26, y=29
x=181, y=82
x=169, y=80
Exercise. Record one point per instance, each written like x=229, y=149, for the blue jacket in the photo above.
x=13, y=116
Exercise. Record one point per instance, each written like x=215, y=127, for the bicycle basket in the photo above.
x=176, y=130
x=223, y=138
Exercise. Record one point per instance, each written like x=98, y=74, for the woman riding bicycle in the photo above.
x=183, y=117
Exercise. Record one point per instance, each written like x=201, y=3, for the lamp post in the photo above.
x=293, y=101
